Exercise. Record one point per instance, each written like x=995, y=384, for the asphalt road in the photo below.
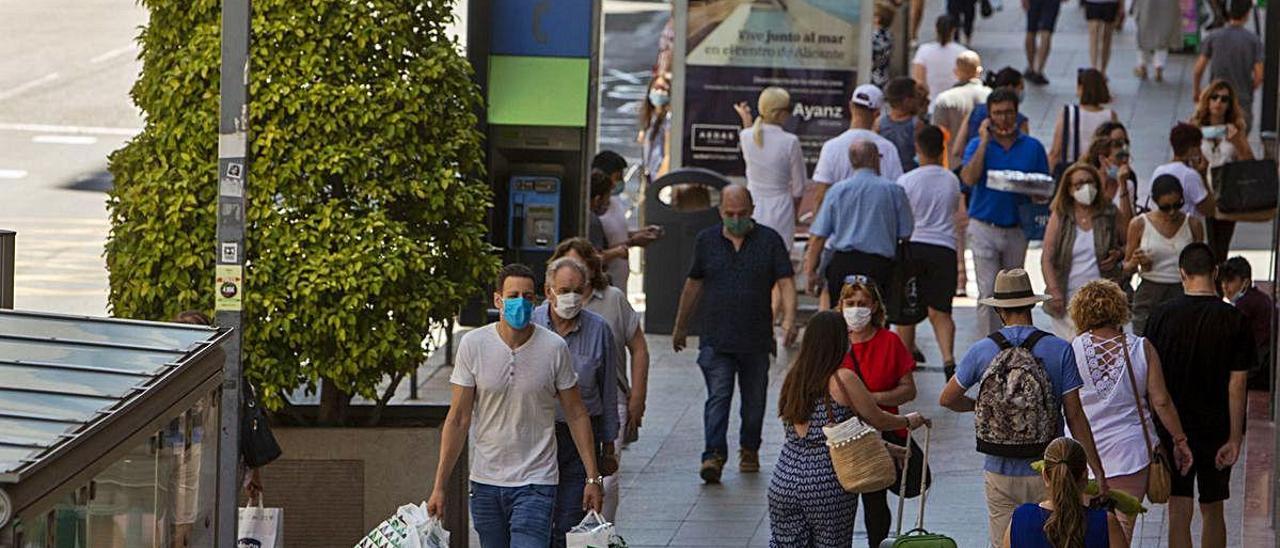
x=66, y=67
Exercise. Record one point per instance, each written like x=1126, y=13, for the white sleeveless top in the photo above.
x=1163, y=251
x=1084, y=261
x=1109, y=403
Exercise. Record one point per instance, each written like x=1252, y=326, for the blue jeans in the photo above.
x=512, y=517
x=573, y=479
x=719, y=370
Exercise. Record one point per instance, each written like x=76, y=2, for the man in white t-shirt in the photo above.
x=833, y=162
x=934, y=194
x=1199, y=202
x=935, y=62
x=508, y=377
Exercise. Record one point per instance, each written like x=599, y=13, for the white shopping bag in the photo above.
x=410, y=527
x=435, y=535
x=592, y=532
x=260, y=527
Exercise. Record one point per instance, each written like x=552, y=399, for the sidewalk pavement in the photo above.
x=664, y=503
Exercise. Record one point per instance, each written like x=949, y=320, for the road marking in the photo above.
x=65, y=139
x=11, y=92
x=113, y=54
x=12, y=173
x=79, y=130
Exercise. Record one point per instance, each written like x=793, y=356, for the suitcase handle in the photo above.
x=902, y=490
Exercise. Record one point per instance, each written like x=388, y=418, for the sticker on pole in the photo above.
x=230, y=288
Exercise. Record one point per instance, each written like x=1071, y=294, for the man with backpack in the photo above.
x=1027, y=383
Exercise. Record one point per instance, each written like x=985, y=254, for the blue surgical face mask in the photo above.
x=1113, y=172
x=516, y=312
x=659, y=98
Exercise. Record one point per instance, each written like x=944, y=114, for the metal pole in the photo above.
x=7, y=238
x=1271, y=71
x=233, y=178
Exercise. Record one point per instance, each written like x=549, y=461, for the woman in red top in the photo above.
x=884, y=364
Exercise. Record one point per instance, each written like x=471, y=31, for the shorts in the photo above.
x=938, y=275
x=1214, y=484
x=1101, y=11
x=1042, y=15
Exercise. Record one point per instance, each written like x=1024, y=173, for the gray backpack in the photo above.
x=1016, y=414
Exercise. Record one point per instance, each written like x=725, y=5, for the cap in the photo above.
x=868, y=96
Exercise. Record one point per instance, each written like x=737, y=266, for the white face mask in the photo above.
x=1085, y=194
x=568, y=305
x=857, y=317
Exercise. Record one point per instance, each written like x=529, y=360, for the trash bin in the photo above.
x=682, y=202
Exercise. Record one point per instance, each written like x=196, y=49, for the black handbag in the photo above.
x=915, y=465
x=1245, y=187
x=903, y=303
x=258, y=446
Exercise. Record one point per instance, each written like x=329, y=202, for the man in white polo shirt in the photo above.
x=833, y=162
x=509, y=376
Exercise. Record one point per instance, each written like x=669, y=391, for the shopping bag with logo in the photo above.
x=593, y=532
x=260, y=527
x=410, y=527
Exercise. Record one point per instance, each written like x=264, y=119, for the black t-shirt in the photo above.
x=1201, y=341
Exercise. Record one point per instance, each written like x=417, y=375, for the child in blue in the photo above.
x=1062, y=520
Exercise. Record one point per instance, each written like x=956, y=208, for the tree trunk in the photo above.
x=333, y=404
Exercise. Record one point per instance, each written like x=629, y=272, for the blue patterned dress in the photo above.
x=807, y=506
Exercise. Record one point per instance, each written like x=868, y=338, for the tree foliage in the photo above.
x=367, y=207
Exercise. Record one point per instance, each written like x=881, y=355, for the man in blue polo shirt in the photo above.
x=995, y=235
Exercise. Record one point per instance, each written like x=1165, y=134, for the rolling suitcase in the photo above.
x=918, y=537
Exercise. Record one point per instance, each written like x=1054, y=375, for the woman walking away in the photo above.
x=1063, y=521
x=1081, y=243
x=884, y=365
x=1221, y=120
x=1159, y=30
x=775, y=168
x=1104, y=17
x=807, y=506
x=1152, y=247
x=1076, y=124
x=775, y=165
x=1113, y=365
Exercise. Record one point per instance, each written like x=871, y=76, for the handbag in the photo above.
x=258, y=445
x=1245, y=191
x=903, y=303
x=1159, y=484
x=861, y=461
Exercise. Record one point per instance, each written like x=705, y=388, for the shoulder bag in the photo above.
x=1159, y=484
x=861, y=461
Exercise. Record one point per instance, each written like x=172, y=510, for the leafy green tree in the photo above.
x=366, y=223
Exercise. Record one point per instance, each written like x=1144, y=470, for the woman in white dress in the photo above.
x=1113, y=365
x=775, y=167
x=775, y=163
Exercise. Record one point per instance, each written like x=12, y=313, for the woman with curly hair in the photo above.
x=1112, y=364
x=1063, y=521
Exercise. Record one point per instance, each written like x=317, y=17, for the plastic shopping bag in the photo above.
x=435, y=535
x=410, y=527
x=593, y=532
x=260, y=527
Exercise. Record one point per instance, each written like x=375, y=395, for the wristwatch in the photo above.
x=598, y=480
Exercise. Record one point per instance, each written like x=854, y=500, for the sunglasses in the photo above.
x=1222, y=97
x=858, y=279
x=1172, y=207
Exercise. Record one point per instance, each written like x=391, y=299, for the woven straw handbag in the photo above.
x=858, y=454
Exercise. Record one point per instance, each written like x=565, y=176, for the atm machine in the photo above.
x=536, y=62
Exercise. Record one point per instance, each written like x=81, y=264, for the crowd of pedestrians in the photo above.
x=1128, y=386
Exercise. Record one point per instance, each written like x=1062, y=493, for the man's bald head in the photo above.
x=968, y=66
x=863, y=154
x=736, y=195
